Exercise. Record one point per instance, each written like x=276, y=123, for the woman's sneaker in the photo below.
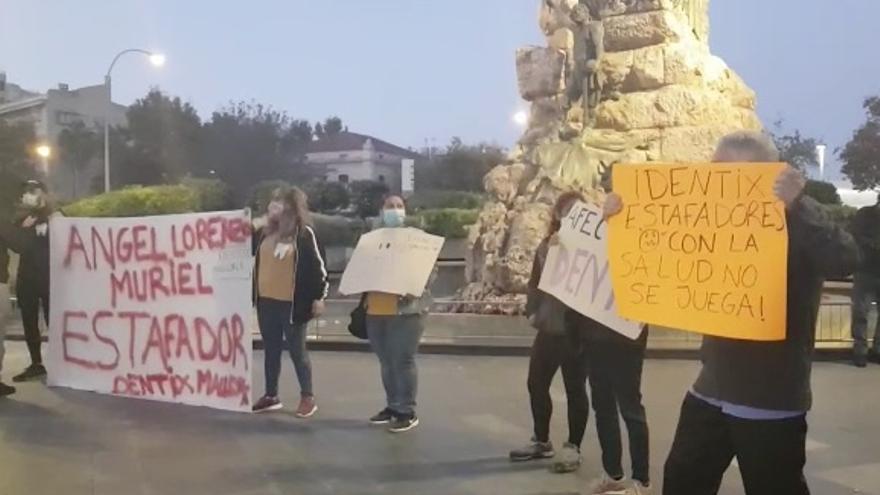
x=401, y=424
x=534, y=450
x=569, y=459
x=383, y=417
x=610, y=486
x=307, y=408
x=267, y=403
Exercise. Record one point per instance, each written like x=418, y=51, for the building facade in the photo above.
x=348, y=157
x=52, y=112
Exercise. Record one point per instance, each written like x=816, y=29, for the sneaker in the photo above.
x=401, y=424
x=383, y=417
x=638, y=488
x=307, y=408
x=267, y=403
x=6, y=390
x=532, y=451
x=569, y=459
x=610, y=486
x=860, y=360
x=33, y=372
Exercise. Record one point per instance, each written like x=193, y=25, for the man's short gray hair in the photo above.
x=746, y=146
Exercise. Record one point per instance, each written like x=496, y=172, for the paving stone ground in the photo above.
x=473, y=410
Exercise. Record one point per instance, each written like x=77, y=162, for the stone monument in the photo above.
x=619, y=81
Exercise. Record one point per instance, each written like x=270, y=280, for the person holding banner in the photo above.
x=751, y=399
x=290, y=285
x=29, y=237
x=395, y=325
x=557, y=345
x=616, y=364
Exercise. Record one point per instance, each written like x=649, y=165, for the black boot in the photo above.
x=33, y=372
x=6, y=390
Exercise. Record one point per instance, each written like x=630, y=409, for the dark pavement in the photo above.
x=473, y=410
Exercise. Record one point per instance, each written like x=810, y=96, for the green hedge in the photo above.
x=138, y=201
x=451, y=223
x=214, y=194
x=437, y=199
x=338, y=231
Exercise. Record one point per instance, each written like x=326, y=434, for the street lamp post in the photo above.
x=820, y=156
x=158, y=60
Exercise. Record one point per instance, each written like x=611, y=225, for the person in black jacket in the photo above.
x=557, y=345
x=30, y=238
x=751, y=399
x=866, y=286
x=290, y=285
x=5, y=310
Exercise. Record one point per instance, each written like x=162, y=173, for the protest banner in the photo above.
x=576, y=270
x=394, y=261
x=155, y=308
x=701, y=247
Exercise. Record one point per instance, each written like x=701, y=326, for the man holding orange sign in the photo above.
x=703, y=248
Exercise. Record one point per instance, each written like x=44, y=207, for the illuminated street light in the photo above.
x=157, y=59
x=44, y=151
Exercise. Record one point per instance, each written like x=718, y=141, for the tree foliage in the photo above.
x=460, y=168
x=162, y=141
x=861, y=156
x=246, y=143
x=326, y=196
x=16, y=163
x=367, y=197
x=78, y=146
x=823, y=192
x=796, y=149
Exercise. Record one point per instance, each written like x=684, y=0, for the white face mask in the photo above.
x=31, y=200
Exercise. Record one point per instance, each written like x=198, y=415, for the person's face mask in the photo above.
x=31, y=200
x=275, y=209
x=394, y=217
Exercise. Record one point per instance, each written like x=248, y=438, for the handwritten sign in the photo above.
x=701, y=248
x=394, y=261
x=576, y=271
x=155, y=308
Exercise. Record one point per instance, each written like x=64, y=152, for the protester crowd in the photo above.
x=750, y=401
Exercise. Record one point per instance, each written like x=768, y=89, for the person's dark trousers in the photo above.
x=29, y=302
x=550, y=353
x=395, y=340
x=866, y=290
x=616, y=383
x=275, y=327
x=771, y=454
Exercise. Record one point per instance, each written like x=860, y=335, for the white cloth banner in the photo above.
x=576, y=271
x=394, y=261
x=155, y=308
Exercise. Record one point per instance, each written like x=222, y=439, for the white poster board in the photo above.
x=155, y=308
x=576, y=271
x=394, y=261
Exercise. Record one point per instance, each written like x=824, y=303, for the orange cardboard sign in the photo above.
x=702, y=248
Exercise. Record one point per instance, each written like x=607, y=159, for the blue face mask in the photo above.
x=393, y=218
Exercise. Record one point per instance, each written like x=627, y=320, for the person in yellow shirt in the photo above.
x=290, y=285
x=395, y=325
